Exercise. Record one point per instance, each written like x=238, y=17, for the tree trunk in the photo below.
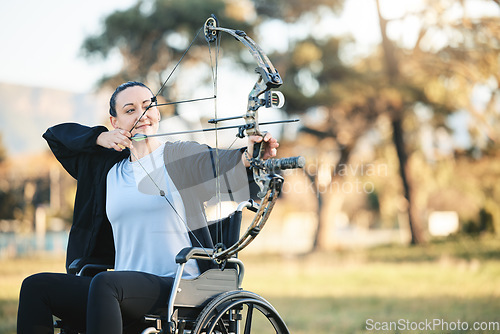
x=397, y=137
x=317, y=245
x=397, y=116
x=320, y=227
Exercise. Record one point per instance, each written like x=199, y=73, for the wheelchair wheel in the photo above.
x=239, y=312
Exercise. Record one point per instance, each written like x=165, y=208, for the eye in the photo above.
x=148, y=105
x=131, y=110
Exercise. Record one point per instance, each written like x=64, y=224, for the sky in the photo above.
x=41, y=40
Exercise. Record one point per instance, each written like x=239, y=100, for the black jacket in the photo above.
x=190, y=165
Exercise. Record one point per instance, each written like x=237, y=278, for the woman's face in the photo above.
x=130, y=105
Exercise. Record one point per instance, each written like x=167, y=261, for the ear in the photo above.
x=112, y=119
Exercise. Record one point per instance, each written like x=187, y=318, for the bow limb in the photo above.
x=275, y=183
x=269, y=77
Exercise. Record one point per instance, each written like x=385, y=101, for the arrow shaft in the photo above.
x=141, y=137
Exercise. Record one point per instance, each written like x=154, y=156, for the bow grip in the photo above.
x=258, y=148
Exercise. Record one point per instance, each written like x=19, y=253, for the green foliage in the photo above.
x=141, y=35
x=291, y=10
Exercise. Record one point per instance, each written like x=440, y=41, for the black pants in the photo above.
x=103, y=304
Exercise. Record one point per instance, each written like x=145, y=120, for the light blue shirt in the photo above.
x=148, y=233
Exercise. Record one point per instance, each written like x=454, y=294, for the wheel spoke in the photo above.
x=222, y=327
x=248, y=320
x=210, y=320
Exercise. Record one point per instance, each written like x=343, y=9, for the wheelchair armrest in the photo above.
x=89, y=266
x=75, y=266
x=92, y=269
x=193, y=253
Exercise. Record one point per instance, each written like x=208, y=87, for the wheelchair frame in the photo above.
x=219, y=297
x=213, y=302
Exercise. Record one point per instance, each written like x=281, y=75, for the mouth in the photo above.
x=143, y=126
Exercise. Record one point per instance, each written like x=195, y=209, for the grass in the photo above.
x=12, y=273
x=341, y=297
x=449, y=280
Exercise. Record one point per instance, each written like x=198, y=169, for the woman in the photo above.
x=138, y=203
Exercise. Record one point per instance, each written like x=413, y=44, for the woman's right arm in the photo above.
x=69, y=141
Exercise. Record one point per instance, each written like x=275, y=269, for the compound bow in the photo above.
x=264, y=171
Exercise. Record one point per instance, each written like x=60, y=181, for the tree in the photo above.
x=151, y=40
x=393, y=81
x=468, y=57
x=396, y=111
x=344, y=97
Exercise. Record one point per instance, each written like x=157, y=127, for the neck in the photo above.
x=144, y=148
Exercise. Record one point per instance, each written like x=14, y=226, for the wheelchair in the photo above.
x=213, y=302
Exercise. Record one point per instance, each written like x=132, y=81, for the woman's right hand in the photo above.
x=117, y=139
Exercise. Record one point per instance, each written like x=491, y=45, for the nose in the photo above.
x=146, y=114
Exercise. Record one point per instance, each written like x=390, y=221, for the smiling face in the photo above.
x=130, y=105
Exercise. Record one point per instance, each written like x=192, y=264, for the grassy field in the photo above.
x=352, y=291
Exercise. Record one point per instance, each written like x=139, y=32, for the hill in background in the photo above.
x=26, y=112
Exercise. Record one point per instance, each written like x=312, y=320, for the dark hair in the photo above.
x=122, y=87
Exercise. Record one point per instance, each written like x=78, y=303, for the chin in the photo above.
x=146, y=130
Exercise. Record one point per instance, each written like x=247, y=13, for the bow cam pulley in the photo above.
x=210, y=34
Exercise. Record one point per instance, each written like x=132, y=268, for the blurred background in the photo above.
x=396, y=215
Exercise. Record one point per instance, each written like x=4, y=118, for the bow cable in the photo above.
x=215, y=71
x=154, y=103
x=154, y=100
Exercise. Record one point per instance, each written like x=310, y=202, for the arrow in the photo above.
x=140, y=136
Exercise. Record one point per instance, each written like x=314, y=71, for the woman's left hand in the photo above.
x=270, y=147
